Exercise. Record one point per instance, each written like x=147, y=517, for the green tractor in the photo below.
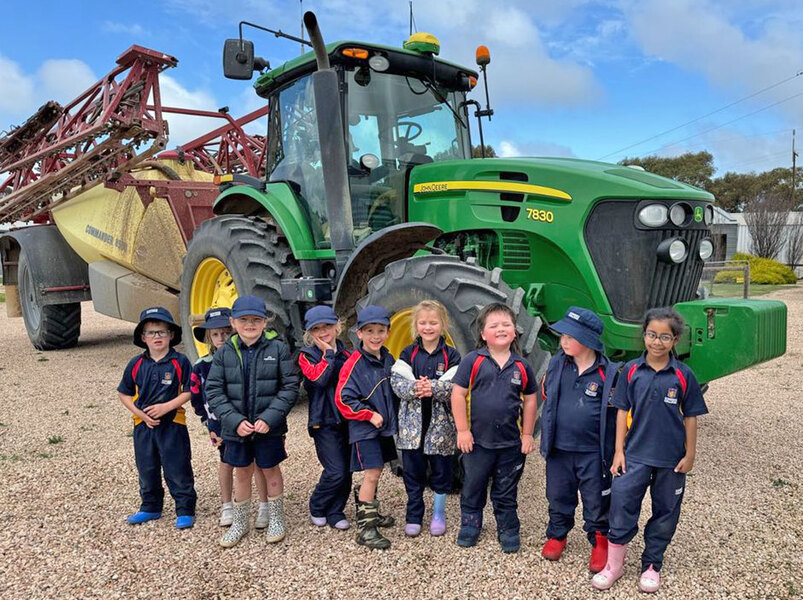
x=372, y=197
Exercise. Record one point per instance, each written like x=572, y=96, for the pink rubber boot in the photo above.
x=614, y=568
x=649, y=581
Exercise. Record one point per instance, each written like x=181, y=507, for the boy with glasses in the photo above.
x=155, y=386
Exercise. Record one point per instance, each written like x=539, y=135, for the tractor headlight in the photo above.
x=706, y=249
x=708, y=215
x=653, y=215
x=379, y=63
x=673, y=250
x=678, y=214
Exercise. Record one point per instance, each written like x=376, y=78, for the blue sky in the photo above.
x=584, y=78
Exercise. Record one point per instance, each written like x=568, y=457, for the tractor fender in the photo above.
x=279, y=204
x=60, y=276
x=372, y=256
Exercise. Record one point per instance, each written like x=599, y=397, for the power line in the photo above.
x=713, y=112
x=755, y=112
x=741, y=137
x=764, y=158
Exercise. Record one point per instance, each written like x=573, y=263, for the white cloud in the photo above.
x=130, y=29
x=64, y=79
x=508, y=148
x=18, y=89
x=184, y=128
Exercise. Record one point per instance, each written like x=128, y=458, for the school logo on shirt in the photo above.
x=441, y=369
x=592, y=389
x=269, y=358
x=671, y=396
x=167, y=378
x=516, y=380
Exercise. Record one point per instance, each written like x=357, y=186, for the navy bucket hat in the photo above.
x=372, y=314
x=319, y=314
x=215, y=318
x=249, y=306
x=156, y=313
x=583, y=325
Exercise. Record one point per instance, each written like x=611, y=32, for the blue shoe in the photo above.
x=140, y=517
x=468, y=536
x=510, y=542
x=185, y=521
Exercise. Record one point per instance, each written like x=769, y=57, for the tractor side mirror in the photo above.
x=238, y=59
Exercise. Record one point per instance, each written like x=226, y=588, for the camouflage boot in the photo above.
x=367, y=521
x=384, y=520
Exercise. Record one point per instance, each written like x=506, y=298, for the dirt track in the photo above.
x=63, y=503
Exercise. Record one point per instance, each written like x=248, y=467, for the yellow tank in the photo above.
x=104, y=224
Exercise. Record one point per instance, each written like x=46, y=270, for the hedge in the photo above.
x=763, y=271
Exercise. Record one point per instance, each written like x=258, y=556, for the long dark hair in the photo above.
x=668, y=314
x=482, y=319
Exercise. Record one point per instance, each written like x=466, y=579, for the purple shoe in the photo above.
x=412, y=529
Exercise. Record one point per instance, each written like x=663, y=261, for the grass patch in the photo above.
x=91, y=406
x=10, y=457
x=779, y=483
x=43, y=359
x=66, y=412
x=90, y=427
x=2, y=297
x=735, y=290
x=43, y=455
x=3, y=425
x=55, y=439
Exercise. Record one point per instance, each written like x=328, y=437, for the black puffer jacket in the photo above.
x=272, y=387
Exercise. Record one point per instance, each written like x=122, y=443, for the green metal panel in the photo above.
x=282, y=204
x=725, y=336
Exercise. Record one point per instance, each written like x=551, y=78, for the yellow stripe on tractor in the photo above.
x=435, y=187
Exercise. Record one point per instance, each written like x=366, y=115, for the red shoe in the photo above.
x=553, y=549
x=599, y=553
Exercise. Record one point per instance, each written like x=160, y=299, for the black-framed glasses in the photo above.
x=159, y=333
x=664, y=337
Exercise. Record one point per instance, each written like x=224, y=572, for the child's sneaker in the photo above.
x=140, y=517
x=317, y=521
x=649, y=581
x=226, y=514
x=184, y=521
x=412, y=529
x=263, y=516
x=342, y=525
x=510, y=542
x=553, y=549
x=599, y=553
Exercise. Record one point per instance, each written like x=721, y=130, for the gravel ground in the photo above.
x=68, y=482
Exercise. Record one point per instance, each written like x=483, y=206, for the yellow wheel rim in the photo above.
x=212, y=287
x=399, y=337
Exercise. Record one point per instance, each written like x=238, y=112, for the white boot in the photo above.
x=226, y=514
x=263, y=516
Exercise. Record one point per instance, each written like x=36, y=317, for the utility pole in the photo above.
x=794, y=170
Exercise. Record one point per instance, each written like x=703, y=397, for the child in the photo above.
x=364, y=397
x=659, y=399
x=153, y=389
x=214, y=332
x=251, y=388
x=321, y=360
x=422, y=379
x=578, y=426
x=493, y=388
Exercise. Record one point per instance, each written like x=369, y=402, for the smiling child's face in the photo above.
x=373, y=336
x=499, y=331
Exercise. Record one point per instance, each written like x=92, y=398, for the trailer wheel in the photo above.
x=49, y=326
x=463, y=289
x=229, y=256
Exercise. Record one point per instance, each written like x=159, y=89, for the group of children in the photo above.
x=608, y=430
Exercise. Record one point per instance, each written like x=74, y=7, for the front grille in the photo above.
x=515, y=250
x=625, y=258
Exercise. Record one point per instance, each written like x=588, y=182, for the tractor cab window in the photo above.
x=294, y=154
x=403, y=121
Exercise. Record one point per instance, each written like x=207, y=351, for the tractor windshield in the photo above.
x=402, y=121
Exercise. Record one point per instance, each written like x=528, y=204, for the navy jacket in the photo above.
x=321, y=371
x=550, y=393
x=364, y=388
x=198, y=399
x=272, y=386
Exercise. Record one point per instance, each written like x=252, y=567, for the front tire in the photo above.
x=49, y=326
x=230, y=256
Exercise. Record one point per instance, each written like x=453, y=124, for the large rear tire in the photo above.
x=229, y=256
x=463, y=289
x=49, y=326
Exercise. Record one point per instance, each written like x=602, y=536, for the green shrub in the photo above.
x=763, y=271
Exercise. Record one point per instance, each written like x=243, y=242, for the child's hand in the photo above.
x=465, y=441
x=377, y=420
x=156, y=411
x=618, y=465
x=323, y=346
x=149, y=421
x=686, y=464
x=261, y=427
x=423, y=387
x=245, y=429
x=215, y=439
x=527, y=443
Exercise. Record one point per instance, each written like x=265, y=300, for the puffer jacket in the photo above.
x=272, y=387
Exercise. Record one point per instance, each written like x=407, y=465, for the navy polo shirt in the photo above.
x=579, y=406
x=495, y=398
x=154, y=382
x=658, y=401
x=432, y=366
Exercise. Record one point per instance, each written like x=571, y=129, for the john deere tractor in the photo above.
x=372, y=196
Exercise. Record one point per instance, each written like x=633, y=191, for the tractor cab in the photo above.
x=400, y=108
